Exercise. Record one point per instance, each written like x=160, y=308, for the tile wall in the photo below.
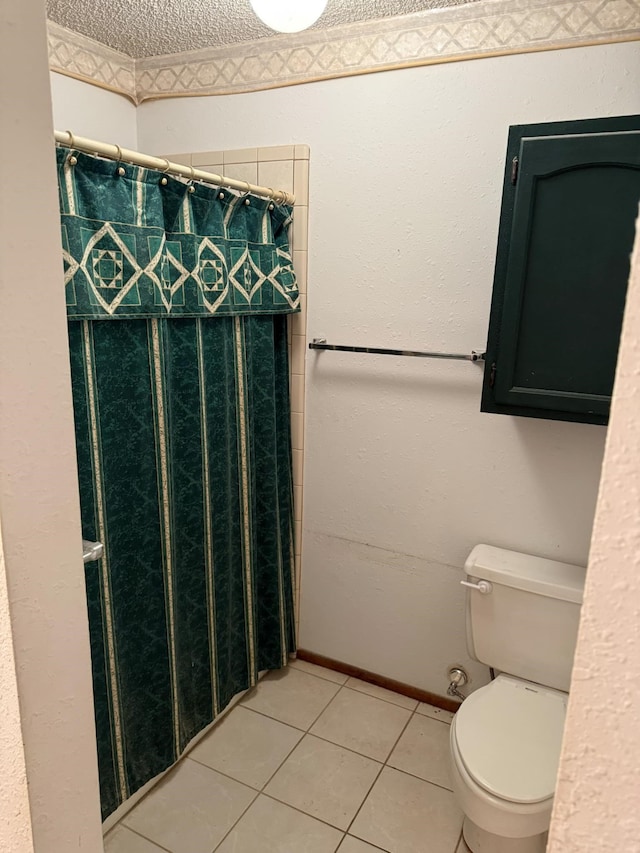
x=281, y=167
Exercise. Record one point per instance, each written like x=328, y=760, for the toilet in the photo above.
x=522, y=620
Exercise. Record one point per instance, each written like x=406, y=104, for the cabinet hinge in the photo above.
x=492, y=375
x=514, y=170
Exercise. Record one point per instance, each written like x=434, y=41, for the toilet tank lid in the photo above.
x=523, y=571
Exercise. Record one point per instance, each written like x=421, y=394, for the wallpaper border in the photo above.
x=83, y=58
x=482, y=29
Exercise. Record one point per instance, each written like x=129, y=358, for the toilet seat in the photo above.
x=508, y=736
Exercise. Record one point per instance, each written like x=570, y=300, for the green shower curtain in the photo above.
x=177, y=300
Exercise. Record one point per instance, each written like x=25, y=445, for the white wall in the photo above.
x=596, y=805
x=403, y=474
x=39, y=507
x=87, y=110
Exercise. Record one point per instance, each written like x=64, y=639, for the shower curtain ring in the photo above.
x=246, y=194
x=72, y=159
x=222, y=184
x=120, y=170
x=192, y=189
x=163, y=180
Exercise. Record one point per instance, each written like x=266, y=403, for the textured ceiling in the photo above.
x=155, y=27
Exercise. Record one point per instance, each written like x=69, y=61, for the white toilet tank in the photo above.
x=527, y=624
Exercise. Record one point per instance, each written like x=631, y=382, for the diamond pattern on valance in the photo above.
x=141, y=245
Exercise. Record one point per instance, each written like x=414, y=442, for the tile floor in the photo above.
x=310, y=761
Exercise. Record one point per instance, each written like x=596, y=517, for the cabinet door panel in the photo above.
x=573, y=224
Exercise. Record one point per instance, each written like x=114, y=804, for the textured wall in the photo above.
x=597, y=808
x=15, y=827
x=403, y=474
x=39, y=509
x=88, y=111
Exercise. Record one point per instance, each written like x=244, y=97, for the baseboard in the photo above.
x=382, y=681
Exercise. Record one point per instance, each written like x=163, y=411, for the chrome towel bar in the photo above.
x=321, y=344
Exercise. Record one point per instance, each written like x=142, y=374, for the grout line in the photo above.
x=306, y=814
x=366, y=796
x=347, y=748
x=375, y=846
x=373, y=696
x=282, y=723
x=185, y=758
x=222, y=773
x=277, y=719
x=231, y=828
x=420, y=778
x=284, y=760
x=339, y=690
x=407, y=772
x=381, y=698
x=429, y=717
x=315, y=719
x=140, y=835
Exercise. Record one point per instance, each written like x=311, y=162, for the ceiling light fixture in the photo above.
x=288, y=16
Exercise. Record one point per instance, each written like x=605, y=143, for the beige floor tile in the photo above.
x=291, y=696
x=247, y=746
x=191, y=810
x=423, y=750
x=123, y=840
x=362, y=723
x=325, y=781
x=320, y=671
x=271, y=827
x=382, y=693
x=435, y=713
x=403, y=814
x=354, y=845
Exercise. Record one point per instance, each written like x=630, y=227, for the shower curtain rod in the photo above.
x=126, y=155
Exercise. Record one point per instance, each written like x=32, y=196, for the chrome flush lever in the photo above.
x=483, y=587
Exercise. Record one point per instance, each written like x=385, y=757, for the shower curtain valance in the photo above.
x=141, y=245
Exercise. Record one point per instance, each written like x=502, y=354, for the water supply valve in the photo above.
x=457, y=678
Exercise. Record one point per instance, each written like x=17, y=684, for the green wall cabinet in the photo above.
x=569, y=206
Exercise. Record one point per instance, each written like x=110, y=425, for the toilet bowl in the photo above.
x=522, y=617
x=505, y=747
